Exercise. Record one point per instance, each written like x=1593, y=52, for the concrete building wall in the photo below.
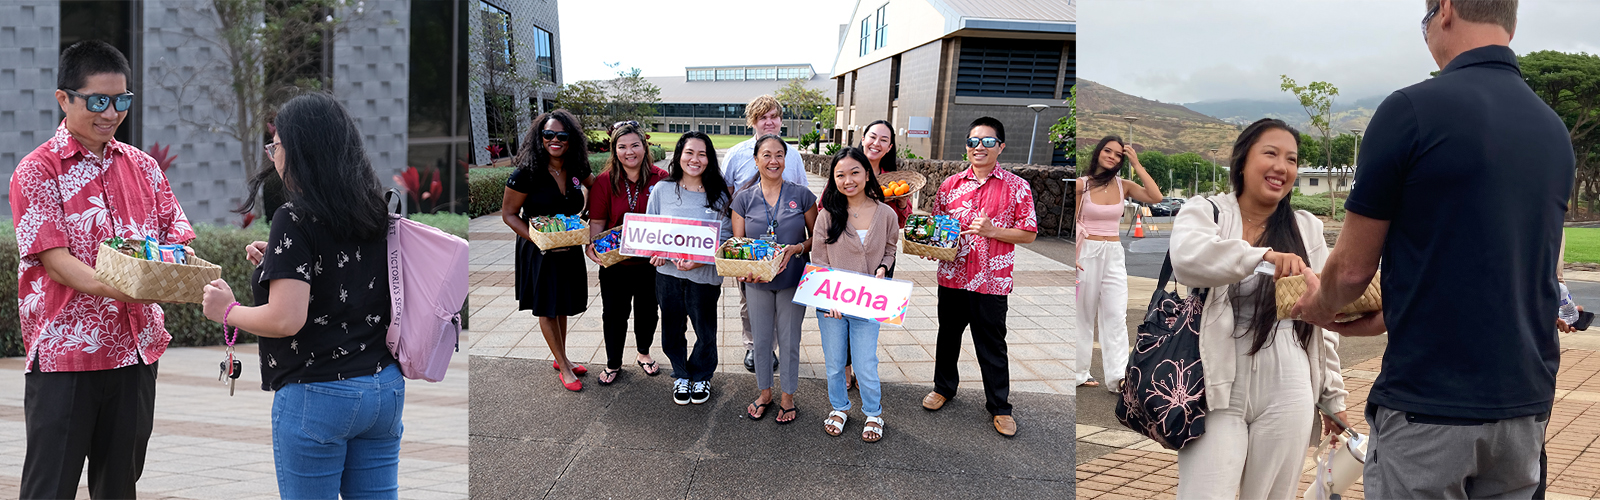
x=525, y=16
x=370, y=75
x=919, y=90
x=911, y=23
x=186, y=82
x=872, y=94
x=30, y=37
x=1017, y=119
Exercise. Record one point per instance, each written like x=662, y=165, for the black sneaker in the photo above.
x=750, y=360
x=699, y=392
x=680, y=391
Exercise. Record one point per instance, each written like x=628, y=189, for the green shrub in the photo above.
x=223, y=246
x=10, y=323
x=455, y=224
x=1319, y=205
x=486, y=189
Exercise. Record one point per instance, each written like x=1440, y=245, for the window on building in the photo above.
x=792, y=73
x=761, y=74
x=702, y=75
x=710, y=129
x=894, y=78
x=497, y=28
x=544, y=54
x=740, y=130
x=1342, y=182
x=678, y=128
x=883, y=27
x=1313, y=181
x=1008, y=67
x=1297, y=182
x=784, y=131
x=730, y=74
x=866, y=34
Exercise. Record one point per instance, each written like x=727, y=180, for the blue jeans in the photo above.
x=851, y=340
x=339, y=438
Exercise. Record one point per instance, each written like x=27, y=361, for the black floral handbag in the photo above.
x=1164, y=390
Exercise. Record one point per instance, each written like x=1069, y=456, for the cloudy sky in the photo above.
x=661, y=38
x=1186, y=51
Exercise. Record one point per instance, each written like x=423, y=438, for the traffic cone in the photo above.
x=1138, y=225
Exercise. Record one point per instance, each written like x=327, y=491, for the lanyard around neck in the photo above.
x=772, y=220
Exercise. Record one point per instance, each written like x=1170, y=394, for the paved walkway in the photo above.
x=1116, y=463
x=207, y=445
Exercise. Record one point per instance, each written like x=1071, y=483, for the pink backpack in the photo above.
x=427, y=289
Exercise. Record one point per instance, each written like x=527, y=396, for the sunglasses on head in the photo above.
x=630, y=123
x=96, y=103
x=553, y=135
x=987, y=142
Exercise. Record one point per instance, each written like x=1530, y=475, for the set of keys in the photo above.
x=229, y=371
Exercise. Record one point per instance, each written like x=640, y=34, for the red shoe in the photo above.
x=577, y=369
x=575, y=385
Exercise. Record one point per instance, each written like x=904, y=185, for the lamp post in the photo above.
x=1033, y=137
x=1213, y=170
x=1356, y=151
x=1196, y=178
x=1130, y=120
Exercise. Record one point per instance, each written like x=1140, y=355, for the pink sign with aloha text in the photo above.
x=693, y=240
x=854, y=294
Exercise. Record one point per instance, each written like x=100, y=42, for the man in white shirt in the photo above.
x=765, y=116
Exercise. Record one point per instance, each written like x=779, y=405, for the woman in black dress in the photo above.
x=551, y=178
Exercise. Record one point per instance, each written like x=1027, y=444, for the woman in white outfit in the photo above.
x=1102, y=294
x=1263, y=377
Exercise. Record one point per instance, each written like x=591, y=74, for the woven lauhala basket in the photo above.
x=1291, y=288
x=153, y=280
x=552, y=241
x=764, y=270
x=615, y=255
x=914, y=248
x=914, y=180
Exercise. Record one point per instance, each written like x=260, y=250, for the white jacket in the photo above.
x=1215, y=255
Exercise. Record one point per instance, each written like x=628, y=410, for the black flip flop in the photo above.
x=781, y=410
x=615, y=376
x=647, y=366
x=760, y=406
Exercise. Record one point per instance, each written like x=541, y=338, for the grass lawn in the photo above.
x=670, y=140
x=1583, y=244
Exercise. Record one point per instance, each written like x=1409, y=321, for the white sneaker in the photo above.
x=699, y=392
x=680, y=391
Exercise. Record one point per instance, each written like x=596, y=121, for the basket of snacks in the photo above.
x=1291, y=288
x=934, y=236
x=144, y=270
x=556, y=231
x=609, y=247
x=901, y=183
x=742, y=257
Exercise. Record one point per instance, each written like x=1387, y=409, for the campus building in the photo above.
x=400, y=68
x=711, y=99
x=931, y=66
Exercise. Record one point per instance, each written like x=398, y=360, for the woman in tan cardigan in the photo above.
x=1264, y=377
x=855, y=232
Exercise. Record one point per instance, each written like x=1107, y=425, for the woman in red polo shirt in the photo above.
x=627, y=286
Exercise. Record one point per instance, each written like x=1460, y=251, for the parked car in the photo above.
x=1167, y=207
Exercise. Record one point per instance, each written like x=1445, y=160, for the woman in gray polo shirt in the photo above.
x=688, y=291
x=783, y=212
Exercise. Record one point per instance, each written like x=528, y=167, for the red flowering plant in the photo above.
x=162, y=156
x=423, y=200
x=495, y=150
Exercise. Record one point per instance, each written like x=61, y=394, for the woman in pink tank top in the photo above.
x=1102, y=297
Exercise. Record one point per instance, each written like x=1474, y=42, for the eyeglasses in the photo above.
x=96, y=103
x=1429, y=18
x=987, y=142
x=630, y=123
x=271, y=148
x=553, y=135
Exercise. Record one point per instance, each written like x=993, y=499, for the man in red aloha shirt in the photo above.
x=92, y=351
x=995, y=208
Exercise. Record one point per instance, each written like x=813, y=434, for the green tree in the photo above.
x=508, y=82
x=631, y=97
x=587, y=100
x=808, y=103
x=1570, y=84
x=1065, y=131
x=1317, y=100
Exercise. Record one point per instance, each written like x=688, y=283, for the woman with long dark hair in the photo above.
x=773, y=209
x=1102, y=291
x=877, y=141
x=694, y=189
x=627, y=286
x=855, y=232
x=1264, y=376
x=323, y=312
x=551, y=178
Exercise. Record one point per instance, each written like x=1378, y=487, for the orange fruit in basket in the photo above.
x=902, y=189
x=888, y=191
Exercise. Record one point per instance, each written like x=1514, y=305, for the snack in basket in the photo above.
x=1289, y=290
x=741, y=257
x=556, y=223
x=550, y=232
x=610, y=242
x=936, y=236
x=146, y=270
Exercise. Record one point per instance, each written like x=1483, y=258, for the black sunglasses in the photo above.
x=987, y=142
x=551, y=134
x=1427, y=18
x=96, y=103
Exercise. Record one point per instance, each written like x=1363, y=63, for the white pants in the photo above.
x=1256, y=447
x=1102, y=299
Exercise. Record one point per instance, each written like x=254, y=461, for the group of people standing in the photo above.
x=763, y=193
x=1467, y=384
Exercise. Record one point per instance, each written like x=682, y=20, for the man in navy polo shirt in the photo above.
x=1460, y=190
